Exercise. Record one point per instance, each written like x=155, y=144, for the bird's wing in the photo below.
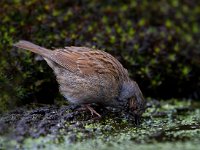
x=87, y=62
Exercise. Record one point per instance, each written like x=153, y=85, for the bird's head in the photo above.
x=134, y=98
x=137, y=102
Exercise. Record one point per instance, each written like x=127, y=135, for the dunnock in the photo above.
x=87, y=76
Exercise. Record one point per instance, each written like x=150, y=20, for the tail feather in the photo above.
x=33, y=48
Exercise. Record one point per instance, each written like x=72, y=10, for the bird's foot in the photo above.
x=88, y=107
x=92, y=111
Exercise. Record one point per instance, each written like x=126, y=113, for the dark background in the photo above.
x=157, y=41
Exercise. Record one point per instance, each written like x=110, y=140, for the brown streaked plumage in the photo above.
x=88, y=76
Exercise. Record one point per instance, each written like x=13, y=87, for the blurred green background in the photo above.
x=157, y=41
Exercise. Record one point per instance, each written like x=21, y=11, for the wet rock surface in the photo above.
x=35, y=121
x=165, y=121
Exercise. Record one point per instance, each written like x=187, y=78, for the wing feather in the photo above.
x=85, y=61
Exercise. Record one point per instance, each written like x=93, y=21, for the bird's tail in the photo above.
x=33, y=48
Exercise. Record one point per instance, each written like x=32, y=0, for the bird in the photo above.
x=90, y=76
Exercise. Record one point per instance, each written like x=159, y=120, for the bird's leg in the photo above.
x=92, y=110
